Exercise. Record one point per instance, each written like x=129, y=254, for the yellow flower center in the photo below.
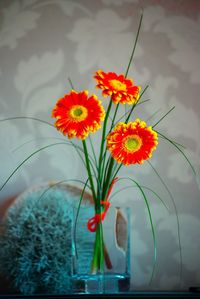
x=117, y=85
x=133, y=143
x=78, y=113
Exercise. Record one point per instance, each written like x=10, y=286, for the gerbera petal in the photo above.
x=132, y=143
x=78, y=115
x=121, y=89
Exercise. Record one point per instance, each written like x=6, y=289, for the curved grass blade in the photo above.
x=77, y=214
x=176, y=146
x=103, y=141
x=31, y=155
x=105, y=168
x=25, y=160
x=59, y=183
x=70, y=82
x=114, y=116
x=107, y=177
x=93, y=152
x=132, y=54
x=177, y=217
x=124, y=114
x=29, y=118
x=89, y=170
x=140, y=103
x=144, y=187
x=33, y=140
x=163, y=117
x=77, y=148
x=151, y=223
x=131, y=111
x=152, y=116
x=116, y=171
x=135, y=44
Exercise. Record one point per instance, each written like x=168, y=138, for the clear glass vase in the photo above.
x=115, y=275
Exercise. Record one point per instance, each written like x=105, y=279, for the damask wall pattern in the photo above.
x=43, y=43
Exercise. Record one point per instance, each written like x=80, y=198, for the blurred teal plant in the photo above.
x=36, y=244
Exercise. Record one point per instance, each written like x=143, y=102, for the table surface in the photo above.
x=194, y=293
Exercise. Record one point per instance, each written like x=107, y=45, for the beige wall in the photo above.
x=43, y=42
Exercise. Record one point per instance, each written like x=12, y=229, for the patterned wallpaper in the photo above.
x=43, y=42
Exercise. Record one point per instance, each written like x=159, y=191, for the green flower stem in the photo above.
x=103, y=141
x=95, y=259
x=89, y=170
x=106, y=169
x=98, y=253
x=116, y=172
x=111, y=127
x=108, y=177
x=101, y=241
x=114, y=116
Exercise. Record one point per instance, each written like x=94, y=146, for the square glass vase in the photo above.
x=115, y=275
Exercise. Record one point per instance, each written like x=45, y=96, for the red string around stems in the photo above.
x=98, y=217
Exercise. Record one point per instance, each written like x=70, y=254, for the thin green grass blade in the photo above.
x=85, y=184
x=93, y=152
x=27, y=117
x=114, y=116
x=140, y=103
x=163, y=117
x=34, y=140
x=124, y=114
x=176, y=146
x=31, y=118
x=151, y=223
x=107, y=178
x=77, y=214
x=53, y=185
x=144, y=187
x=102, y=150
x=116, y=171
x=88, y=164
x=105, y=168
x=132, y=54
x=70, y=83
x=77, y=148
x=25, y=160
x=177, y=217
x=135, y=44
x=142, y=93
x=151, y=116
x=45, y=138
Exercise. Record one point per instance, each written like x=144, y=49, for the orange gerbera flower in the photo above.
x=78, y=115
x=132, y=143
x=121, y=89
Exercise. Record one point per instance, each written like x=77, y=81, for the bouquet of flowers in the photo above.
x=123, y=143
x=124, y=140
